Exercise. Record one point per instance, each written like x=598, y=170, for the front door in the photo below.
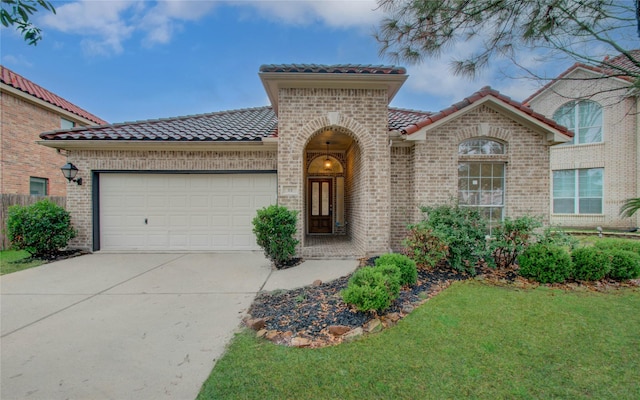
x=320, y=205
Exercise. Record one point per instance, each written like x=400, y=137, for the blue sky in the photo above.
x=134, y=60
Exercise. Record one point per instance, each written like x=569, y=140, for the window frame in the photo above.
x=67, y=121
x=41, y=181
x=575, y=114
x=577, y=190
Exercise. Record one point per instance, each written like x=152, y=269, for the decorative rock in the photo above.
x=300, y=342
x=407, y=308
x=287, y=334
x=373, y=326
x=270, y=335
x=354, y=333
x=261, y=333
x=393, y=317
x=339, y=330
x=317, y=282
x=256, y=324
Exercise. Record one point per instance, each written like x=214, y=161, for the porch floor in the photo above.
x=330, y=247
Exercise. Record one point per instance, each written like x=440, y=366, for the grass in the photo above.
x=471, y=341
x=13, y=261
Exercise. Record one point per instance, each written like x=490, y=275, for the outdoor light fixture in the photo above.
x=70, y=171
x=327, y=161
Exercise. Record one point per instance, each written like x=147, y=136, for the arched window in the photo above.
x=584, y=118
x=480, y=146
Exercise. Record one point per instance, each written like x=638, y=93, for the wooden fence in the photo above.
x=8, y=200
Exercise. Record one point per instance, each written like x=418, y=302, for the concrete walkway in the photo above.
x=131, y=326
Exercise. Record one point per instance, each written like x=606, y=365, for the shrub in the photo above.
x=462, y=229
x=558, y=237
x=545, y=263
x=590, y=263
x=510, y=239
x=624, y=265
x=406, y=266
x=393, y=273
x=42, y=228
x=370, y=288
x=424, y=246
x=274, y=227
x=618, y=244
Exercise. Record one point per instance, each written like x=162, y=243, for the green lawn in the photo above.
x=471, y=341
x=13, y=261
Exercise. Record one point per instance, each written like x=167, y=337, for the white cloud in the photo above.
x=336, y=14
x=163, y=20
x=16, y=61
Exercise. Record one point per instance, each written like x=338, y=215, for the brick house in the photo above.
x=329, y=146
x=26, y=110
x=593, y=174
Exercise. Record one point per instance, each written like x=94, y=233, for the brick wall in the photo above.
x=363, y=113
x=403, y=207
x=20, y=156
x=617, y=154
x=79, y=200
x=527, y=162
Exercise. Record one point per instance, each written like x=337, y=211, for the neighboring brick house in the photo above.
x=597, y=171
x=26, y=110
x=328, y=147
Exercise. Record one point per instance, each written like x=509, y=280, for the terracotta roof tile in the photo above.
x=484, y=92
x=334, y=69
x=16, y=81
x=251, y=124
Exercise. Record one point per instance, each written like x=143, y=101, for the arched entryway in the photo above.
x=331, y=169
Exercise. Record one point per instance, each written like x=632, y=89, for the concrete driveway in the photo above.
x=131, y=326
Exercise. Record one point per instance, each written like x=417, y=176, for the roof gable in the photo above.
x=559, y=133
x=10, y=78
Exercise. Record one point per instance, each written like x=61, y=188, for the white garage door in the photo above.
x=182, y=211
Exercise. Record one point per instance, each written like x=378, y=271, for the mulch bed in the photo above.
x=308, y=312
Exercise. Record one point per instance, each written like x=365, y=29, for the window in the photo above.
x=584, y=118
x=38, y=186
x=481, y=185
x=480, y=146
x=66, y=124
x=577, y=191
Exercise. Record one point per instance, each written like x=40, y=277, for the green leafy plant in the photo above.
x=558, y=237
x=590, y=263
x=274, y=227
x=406, y=266
x=624, y=265
x=462, y=229
x=424, y=246
x=618, y=244
x=371, y=289
x=545, y=263
x=510, y=239
x=42, y=228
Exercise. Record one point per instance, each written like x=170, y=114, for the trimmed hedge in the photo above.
x=372, y=288
x=545, y=263
x=406, y=266
x=590, y=263
x=618, y=244
x=624, y=265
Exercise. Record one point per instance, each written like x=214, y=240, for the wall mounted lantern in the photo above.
x=70, y=171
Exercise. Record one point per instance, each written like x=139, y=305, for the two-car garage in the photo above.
x=180, y=211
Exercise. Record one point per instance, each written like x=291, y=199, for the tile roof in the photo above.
x=251, y=124
x=16, y=81
x=607, y=67
x=484, y=92
x=335, y=69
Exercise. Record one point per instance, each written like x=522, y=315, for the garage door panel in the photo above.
x=183, y=211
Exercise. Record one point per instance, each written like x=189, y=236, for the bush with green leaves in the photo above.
x=618, y=244
x=275, y=227
x=406, y=266
x=556, y=236
x=463, y=230
x=624, y=265
x=545, y=263
x=590, y=263
x=41, y=228
x=510, y=238
x=424, y=246
x=372, y=288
